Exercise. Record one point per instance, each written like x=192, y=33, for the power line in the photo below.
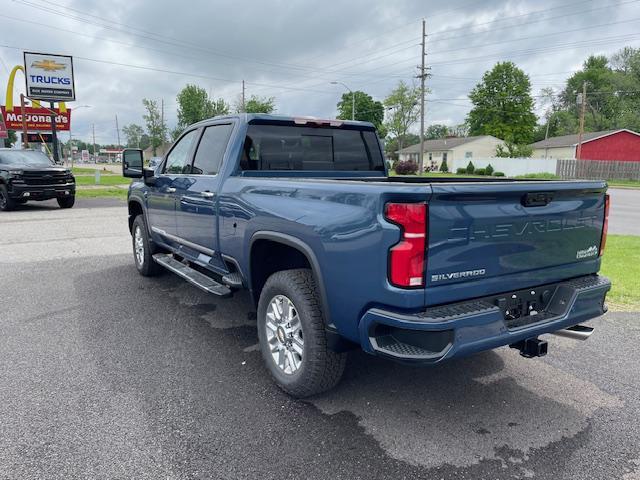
x=546, y=35
x=175, y=72
x=578, y=12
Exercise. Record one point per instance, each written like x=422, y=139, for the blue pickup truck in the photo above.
x=338, y=254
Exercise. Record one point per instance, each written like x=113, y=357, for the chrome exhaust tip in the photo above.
x=577, y=332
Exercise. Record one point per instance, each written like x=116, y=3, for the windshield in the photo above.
x=24, y=157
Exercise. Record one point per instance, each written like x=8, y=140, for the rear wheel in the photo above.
x=292, y=335
x=6, y=203
x=143, y=249
x=66, y=202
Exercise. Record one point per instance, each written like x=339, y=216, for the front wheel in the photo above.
x=6, y=203
x=292, y=335
x=66, y=202
x=143, y=249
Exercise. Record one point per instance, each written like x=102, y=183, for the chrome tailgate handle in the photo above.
x=207, y=194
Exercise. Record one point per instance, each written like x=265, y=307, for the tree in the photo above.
x=391, y=145
x=403, y=107
x=133, y=133
x=145, y=141
x=257, y=105
x=514, y=150
x=437, y=130
x=613, y=100
x=12, y=138
x=156, y=127
x=503, y=106
x=194, y=105
x=366, y=108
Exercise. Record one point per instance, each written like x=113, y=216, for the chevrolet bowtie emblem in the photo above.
x=49, y=65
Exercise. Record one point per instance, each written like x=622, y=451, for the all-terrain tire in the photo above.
x=143, y=249
x=66, y=202
x=6, y=204
x=320, y=368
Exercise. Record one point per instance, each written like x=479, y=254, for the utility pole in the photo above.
x=582, y=111
x=161, y=125
x=25, y=140
x=353, y=105
x=422, y=77
x=244, y=105
x=54, y=135
x=117, y=131
x=93, y=128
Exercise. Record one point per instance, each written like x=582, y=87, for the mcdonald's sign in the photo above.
x=38, y=118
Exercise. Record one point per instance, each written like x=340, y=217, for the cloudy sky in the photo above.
x=125, y=50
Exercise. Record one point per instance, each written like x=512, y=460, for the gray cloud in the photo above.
x=292, y=49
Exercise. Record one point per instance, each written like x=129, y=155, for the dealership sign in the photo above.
x=49, y=77
x=37, y=119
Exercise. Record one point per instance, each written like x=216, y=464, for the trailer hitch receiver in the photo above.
x=531, y=347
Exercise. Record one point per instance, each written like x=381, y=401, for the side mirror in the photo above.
x=132, y=163
x=149, y=175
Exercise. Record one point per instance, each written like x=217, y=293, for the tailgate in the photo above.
x=487, y=238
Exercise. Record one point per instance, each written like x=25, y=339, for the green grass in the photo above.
x=539, y=176
x=101, y=193
x=107, y=180
x=90, y=171
x=621, y=263
x=624, y=183
x=433, y=174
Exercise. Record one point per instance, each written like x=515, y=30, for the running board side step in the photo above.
x=577, y=332
x=192, y=276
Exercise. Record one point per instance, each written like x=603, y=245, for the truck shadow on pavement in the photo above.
x=190, y=360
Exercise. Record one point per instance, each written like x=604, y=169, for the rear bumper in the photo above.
x=464, y=328
x=41, y=192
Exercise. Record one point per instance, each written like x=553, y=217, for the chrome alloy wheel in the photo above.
x=138, y=242
x=284, y=334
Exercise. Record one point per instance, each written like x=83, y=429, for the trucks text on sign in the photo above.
x=49, y=77
x=38, y=119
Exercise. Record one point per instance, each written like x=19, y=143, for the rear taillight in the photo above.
x=605, y=226
x=407, y=257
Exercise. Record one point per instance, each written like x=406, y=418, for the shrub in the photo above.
x=470, y=168
x=498, y=174
x=444, y=168
x=479, y=171
x=489, y=170
x=543, y=176
x=461, y=171
x=406, y=167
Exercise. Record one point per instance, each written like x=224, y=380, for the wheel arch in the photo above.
x=277, y=242
x=135, y=208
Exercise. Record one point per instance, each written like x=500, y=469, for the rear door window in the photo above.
x=211, y=149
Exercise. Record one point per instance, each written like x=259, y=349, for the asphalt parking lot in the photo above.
x=106, y=374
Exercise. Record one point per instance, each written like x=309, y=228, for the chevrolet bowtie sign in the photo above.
x=49, y=77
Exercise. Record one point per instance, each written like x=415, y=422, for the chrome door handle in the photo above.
x=171, y=190
x=207, y=194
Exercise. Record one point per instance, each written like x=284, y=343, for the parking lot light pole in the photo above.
x=353, y=98
x=70, y=136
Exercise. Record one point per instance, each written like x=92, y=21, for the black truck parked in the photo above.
x=27, y=175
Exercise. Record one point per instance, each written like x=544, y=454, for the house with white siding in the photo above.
x=452, y=148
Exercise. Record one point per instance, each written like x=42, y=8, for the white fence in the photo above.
x=509, y=166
